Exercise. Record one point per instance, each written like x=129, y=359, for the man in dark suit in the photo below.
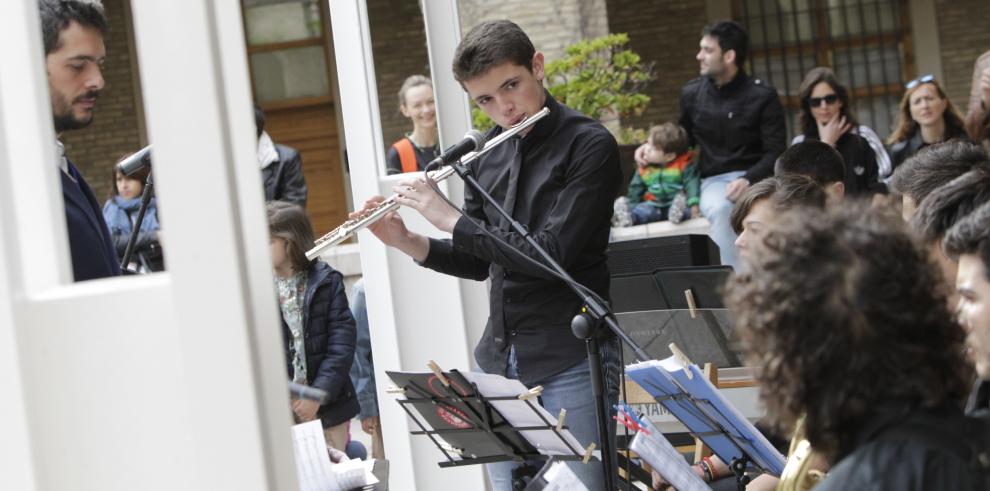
x=74, y=55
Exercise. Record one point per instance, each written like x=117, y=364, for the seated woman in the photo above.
x=926, y=117
x=120, y=212
x=861, y=347
x=826, y=115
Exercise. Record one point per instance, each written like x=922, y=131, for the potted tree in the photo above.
x=604, y=79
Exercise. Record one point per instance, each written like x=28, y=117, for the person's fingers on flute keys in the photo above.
x=369, y=204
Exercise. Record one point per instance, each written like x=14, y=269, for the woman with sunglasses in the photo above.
x=827, y=116
x=926, y=117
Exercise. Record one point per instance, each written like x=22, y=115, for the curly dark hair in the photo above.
x=860, y=329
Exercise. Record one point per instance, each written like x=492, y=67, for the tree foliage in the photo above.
x=599, y=77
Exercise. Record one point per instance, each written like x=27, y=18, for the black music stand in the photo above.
x=466, y=427
x=694, y=401
x=705, y=284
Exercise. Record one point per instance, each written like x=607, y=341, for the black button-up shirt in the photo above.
x=559, y=181
x=738, y=126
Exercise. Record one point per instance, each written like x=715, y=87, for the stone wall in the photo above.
x=667, y=34
x=552, y=25
x=964, y=34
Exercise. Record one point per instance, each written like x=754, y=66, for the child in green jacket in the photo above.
x=668, y=186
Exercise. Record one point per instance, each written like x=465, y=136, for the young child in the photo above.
x=317, y=327
x=669, y=183
x=121, y=211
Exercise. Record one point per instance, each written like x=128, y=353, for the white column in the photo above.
x=415, y=314
x=443, y=34
x=157, y=382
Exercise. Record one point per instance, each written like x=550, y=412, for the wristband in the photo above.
x=711, y=467
x=707, y=473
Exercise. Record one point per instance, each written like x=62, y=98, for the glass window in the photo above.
x=279, y=21
x=290, y=74
x=879, y=113
x=773, y=22
x=863, y=41
x=786, y=72
x=865, y=66
x=854, y=18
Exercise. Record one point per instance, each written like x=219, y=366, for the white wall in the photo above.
x=166, y=381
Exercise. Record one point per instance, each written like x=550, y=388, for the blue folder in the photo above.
x=697, y=404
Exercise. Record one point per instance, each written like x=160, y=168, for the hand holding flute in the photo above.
x=392, y=231
x=417, y=194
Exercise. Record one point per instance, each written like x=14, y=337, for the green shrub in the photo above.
x=599, y=77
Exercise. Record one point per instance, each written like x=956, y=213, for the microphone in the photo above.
x=473, y=141
x=308, y=393
x=135, y=162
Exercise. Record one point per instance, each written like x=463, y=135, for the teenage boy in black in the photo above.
x=558, y=179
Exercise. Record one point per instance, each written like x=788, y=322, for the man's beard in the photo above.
x=66, y=120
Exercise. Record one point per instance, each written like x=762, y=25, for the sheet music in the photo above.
x=697, y=404
x=519, y=414
x=560, y=477
x=312, y=459
x=353, y=474
x=314, y=469
x=661, y=455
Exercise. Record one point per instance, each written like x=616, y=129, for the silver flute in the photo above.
x=348, y=228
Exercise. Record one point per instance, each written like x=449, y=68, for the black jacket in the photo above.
x=329, y=333
x=919, y=450
x=906, y=148
x=284, y=179
x=564, y=175
x=739, y=126
x=90, y=245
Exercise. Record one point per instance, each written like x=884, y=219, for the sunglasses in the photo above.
x=924, y=79
x=817, y=101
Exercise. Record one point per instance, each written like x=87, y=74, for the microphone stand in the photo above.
x=582, y=325
x=146, y=196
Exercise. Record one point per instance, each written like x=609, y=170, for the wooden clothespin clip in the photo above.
x=452, y=449
x=439, y=373
x=393, y=389
x=587, y=453
x=681, y=357
x=560, y=419
x=531, y=393
x=692, y=307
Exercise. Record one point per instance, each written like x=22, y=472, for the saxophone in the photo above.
x=368, y=217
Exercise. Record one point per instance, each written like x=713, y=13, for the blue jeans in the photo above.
x=716, y=208
x=363, y=368
x=647, y=213
x=571, y=390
